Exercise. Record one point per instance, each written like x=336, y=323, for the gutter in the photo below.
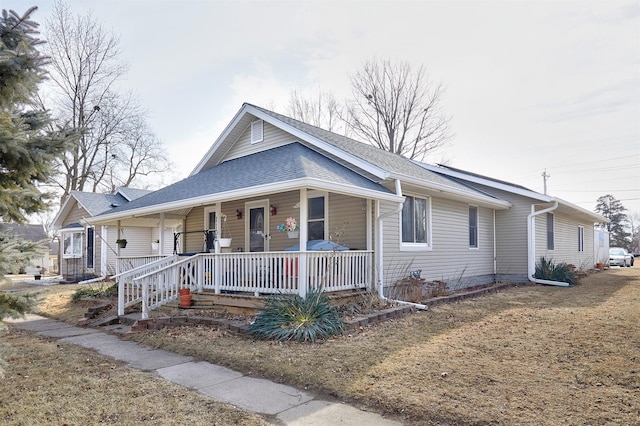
x=380, y=256
x=531, y=241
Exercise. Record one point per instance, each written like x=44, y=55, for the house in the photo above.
x=395, y=215
x=88, y=251
x=36, y=234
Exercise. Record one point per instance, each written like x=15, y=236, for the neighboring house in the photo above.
x=88, y=251
x=37, y=234
x=395, y=215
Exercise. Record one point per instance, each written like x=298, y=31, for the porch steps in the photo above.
x=120, y=325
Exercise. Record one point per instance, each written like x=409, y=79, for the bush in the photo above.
x=296, y=318
x=102, y=291
x=548, y=270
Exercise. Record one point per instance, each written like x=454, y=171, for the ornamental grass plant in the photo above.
x=296, y=318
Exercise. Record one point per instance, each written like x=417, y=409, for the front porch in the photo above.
x=155, y=281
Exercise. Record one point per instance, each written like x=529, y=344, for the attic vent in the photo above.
x=115, y=205
x=257, y=131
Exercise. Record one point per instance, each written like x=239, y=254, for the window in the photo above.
x=550, y=245
x=257, y=131
x=72, y=244
x=316, y=218
x=414, y=221
x=580, y=238
x=473, y=227
x=90, y=247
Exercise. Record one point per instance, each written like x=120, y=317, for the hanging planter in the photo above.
x=155, y=245
x=290, y=226
x=122, y=243
x=225, y=242
x=293, y=234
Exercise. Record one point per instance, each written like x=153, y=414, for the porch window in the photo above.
x=581, y=238
x=316, y=219
x=473, y=227
x=550, y=236
x=415, y=221
x=90, y=247
x=71, y=245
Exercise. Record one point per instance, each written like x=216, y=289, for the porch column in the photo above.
x=118, y=230
x=370, y=259
x=161, y=235
x=303, y=281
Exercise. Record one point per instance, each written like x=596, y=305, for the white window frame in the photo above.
x=257, y=131
x=73, y=235
x=426, y=246
x=476, y=229
x=580, y=238
x=551, y=235
x=319, y=194
x=212, y=209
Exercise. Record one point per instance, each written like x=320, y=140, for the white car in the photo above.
x=619, y=257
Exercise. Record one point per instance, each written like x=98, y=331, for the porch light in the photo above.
x=273, y=210
x=238, y=214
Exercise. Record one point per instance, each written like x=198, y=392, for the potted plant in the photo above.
x=155, y=245
x=225, y=238
x=290, y=226
x=121, y=242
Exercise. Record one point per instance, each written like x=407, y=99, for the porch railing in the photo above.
x=124, y=264
x=129, y=291
x=257, y=273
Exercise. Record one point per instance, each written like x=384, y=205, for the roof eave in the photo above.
x=246, y=193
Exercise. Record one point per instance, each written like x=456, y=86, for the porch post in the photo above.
x=302, y=264
x=118, y=230
x=370, y=274
x=161, y=235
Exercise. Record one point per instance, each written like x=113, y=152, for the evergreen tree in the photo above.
x=611, y=208
x=27, y=151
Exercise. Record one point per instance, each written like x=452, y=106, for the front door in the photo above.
x=257, y=226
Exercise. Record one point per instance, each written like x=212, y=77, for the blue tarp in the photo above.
x=319, y=245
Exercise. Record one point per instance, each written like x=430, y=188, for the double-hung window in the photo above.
x=550, y=236
x=316, y=218
x=415, y=222
x=473, y=227
x=580, y=238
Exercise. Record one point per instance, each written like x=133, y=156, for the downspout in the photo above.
x=380, y=256
x=531, y=241
x=495, y=249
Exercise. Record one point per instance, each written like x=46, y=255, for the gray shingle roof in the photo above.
x=95, y=203
x=29, y=232
x=281, y=164
x=390, y=162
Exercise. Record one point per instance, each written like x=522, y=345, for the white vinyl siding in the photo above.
x=566, y=248
x=272, y=138
x=449, y=259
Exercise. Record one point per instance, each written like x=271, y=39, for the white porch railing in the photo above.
x=124, y=264
x=130, y=292
x=257, y=273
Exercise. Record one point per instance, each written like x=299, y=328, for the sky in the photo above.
x=529, y=85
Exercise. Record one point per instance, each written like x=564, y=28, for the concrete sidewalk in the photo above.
x=289, y=405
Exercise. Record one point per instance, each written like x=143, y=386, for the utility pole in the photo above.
x=545, y=176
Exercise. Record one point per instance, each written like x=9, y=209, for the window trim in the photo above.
x=73, y=234
x=257, y=131
x=319, y=194
x=551, y=233
x=426, y=246
x=580, y=238
x=476, y=229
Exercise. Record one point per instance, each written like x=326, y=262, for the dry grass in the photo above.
x=47, y=383
x=529, y=355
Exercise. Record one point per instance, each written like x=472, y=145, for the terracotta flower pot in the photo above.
x=184, y=291
x=185, y=300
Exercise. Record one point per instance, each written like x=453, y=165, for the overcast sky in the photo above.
x=530, y=85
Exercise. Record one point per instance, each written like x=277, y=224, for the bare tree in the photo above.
x=85, y=68
x=321, y=110
x=396, y=108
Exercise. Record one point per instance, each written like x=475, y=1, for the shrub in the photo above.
x=548, y=270
x=296, y=318
x=102, y=291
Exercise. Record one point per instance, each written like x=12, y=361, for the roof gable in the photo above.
x=29, y=232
